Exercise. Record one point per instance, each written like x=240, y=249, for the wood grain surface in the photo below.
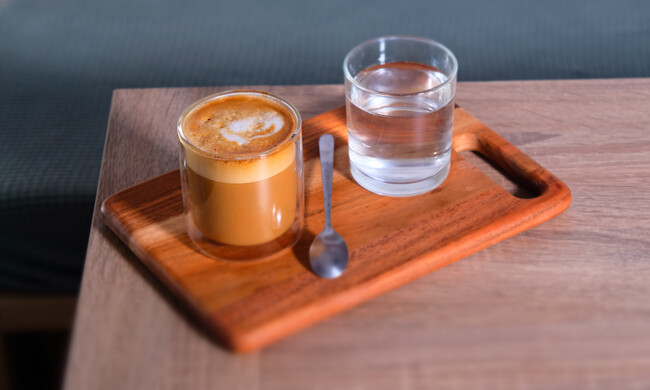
x=561, y=306
x=391, y=241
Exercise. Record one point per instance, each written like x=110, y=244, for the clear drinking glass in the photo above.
x=400, y=107
x=242, y=205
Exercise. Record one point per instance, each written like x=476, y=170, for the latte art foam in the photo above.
x=235, y=137
x=244, y=130
x=238, y=125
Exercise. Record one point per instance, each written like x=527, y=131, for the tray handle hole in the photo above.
x=499, y=176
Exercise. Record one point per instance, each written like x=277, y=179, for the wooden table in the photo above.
x=565, y=305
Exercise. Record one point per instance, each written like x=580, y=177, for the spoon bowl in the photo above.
x=328, y=254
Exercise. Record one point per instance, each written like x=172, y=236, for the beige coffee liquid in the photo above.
x=237, y=200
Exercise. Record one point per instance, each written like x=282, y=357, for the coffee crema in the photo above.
x=241, y=173
x=238, y=125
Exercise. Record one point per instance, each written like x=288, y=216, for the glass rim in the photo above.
x=251, y=156
x=413, y=38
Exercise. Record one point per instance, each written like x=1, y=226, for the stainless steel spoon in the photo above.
x=328, y=254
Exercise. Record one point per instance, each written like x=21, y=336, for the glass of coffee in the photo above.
x=400, y=107
x=242, y=174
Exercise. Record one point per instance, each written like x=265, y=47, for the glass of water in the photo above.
x=400, y=108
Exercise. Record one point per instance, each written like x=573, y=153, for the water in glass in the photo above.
x=400, y=118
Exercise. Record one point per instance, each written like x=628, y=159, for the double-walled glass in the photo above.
x=243, y=207
x=400, y=107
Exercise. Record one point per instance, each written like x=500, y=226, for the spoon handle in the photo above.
x=326, y=147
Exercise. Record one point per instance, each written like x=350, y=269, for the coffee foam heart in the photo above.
x=236, y=125
x=224, y=131
x=247, y=129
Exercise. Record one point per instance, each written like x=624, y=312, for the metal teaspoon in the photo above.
x=328, y=254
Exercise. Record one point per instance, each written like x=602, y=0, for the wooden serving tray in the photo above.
x=391, y=240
